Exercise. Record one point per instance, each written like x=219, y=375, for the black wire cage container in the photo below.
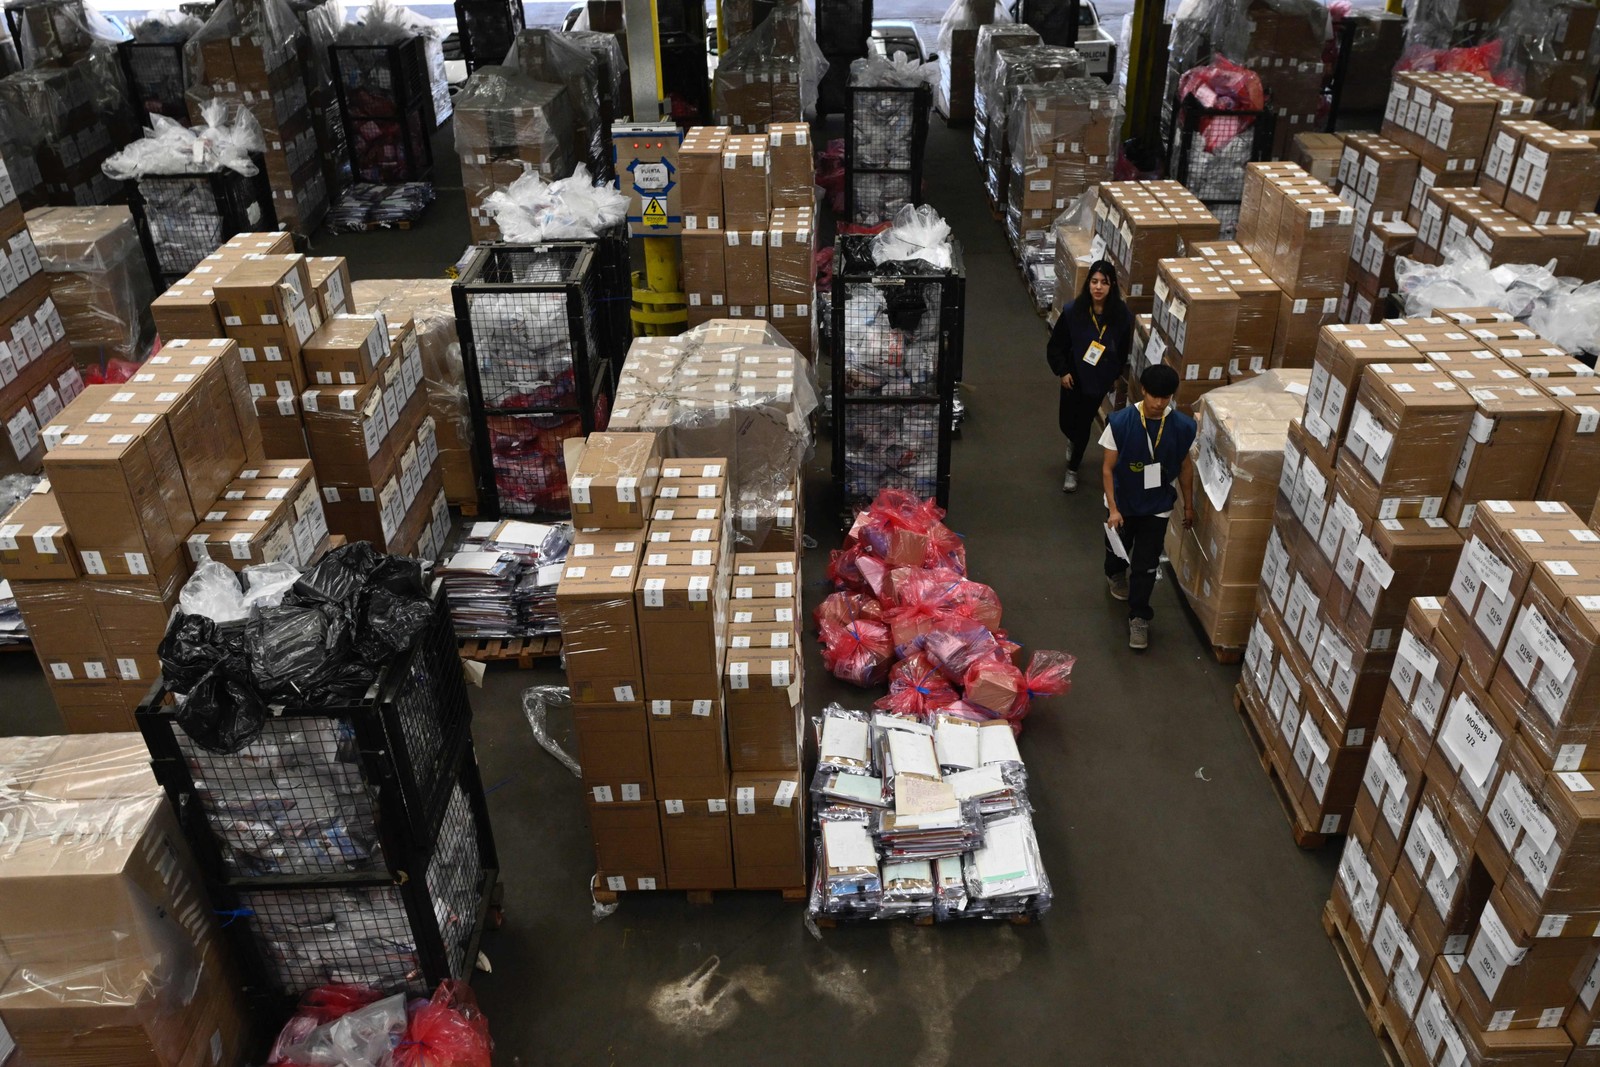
x=896, y=353
x=533, y=343
x=182, y=218
x=386, y=101
x=886, y=136
x=1209, y=148
x=347, y=842
x=157, y=78
x=486, y=29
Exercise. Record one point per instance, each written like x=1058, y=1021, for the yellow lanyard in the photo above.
x=1161, y=428
x=1096, y=320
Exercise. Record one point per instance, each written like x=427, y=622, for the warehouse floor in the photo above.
x=1185, y=926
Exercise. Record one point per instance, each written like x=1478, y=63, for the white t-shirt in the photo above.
x=1109, y=443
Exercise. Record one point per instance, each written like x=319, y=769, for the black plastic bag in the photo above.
x=292, y=648
x=339, y=578
x=390, y=623
x=223, y=713
x=195, y=645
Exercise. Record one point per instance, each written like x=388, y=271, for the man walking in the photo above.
x=1147, y=450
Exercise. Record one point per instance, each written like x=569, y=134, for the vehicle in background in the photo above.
x=890, y=36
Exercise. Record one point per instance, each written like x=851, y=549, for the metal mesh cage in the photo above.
x=454, y=880
x=326, y=789
x=894, y=446
x=391, y=151
x=156, y=80
x=487, y=28
x=533, y=347
x=381, y=81
x=183, y=218
x=891, y=339
x=876, y=195
x=885, y=127
x=1208, y=150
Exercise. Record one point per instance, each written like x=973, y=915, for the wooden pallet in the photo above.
x=468, y=510
x=696, y=896
x=828, y=922
x=1345, y=950
x=523, y=650
x=1299, y=823
x=18, y=646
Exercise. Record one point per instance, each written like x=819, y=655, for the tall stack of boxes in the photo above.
x=1464, y=890
x=37, y=373
x=1300, y=233
x=1415, y=435
x=72, y=112
x=952, y=93
x=1238, y=459
x=1015, y=69
x=988, y=101
x=679, y=654
x=1445, y=119
x=111, y=948
x=99, y=278
x=1138, y=224
x=1063, y=139
x=504, y=126
x=749, y=228
x=1376, y=177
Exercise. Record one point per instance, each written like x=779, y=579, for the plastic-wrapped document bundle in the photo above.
x=551, y=57
x=849, y=863
x=1006, y=877
x=771, y=74
x=501, y=581
x=908, y=889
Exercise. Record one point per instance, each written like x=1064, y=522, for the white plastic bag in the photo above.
x=919, y=232
x=213, y=591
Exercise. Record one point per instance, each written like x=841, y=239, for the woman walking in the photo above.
x=1088, y=350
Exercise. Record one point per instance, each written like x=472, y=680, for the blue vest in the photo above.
x=1133, y=452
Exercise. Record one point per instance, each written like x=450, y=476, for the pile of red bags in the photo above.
x=1484, y=60
x=905, y=612
x=1223, y=86
x=447, y=1030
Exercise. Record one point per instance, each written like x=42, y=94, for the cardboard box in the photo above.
x=346, y=350
x=703, y=270
x=63, y=630
x=269, y=291
x=791, y=263
x=698, y=844
x=627, y=844
x=745, y=202
x=688, y=746
x=767, y=816
x=614, y=751
x=34, y=541
x=1572, y=471
x=599, y=632
x=613, y=480
x=745, y=266
x=330, y=281
x=700, y=172
x=791, y=175
x=1556, y=175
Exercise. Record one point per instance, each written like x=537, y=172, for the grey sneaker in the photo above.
x=1138, y=633
x=1119, y=586
x=1069, y=484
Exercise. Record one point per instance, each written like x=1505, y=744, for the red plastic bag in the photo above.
x=995, y=684
x=1049, y=674
x=857, y=652
x=875, y=572
x=1223, y=86
x=946, y=549
x=318, y=1007
x=116, y=372
x=844, y=569
x=448, y=1031
x=957, y=643
x=845, y=608
x=916, y=688
x=925, y=586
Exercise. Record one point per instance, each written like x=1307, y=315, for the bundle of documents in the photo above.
x=13, y=631
x=501, y=580
x=919, y=819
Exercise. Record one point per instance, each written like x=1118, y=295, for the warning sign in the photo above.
x=654, y=213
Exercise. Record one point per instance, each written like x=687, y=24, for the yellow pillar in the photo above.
x=659, y=307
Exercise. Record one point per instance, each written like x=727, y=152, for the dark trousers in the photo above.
x=1077, y=415
x=1142, y=536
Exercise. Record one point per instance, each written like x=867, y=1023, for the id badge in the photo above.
x=1091, y=357
x=1152, y=476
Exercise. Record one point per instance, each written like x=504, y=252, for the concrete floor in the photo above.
x=1185, y=926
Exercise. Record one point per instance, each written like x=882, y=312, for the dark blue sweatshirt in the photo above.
x=1070, y=340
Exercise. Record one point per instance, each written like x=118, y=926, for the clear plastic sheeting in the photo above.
x=536, y=704
x=99, y=278
x=164, y=27
x=532, y=211
x=771, y=74
x=505, y=125
x=919, y=234
x=269, y=25
x=224, y=140
x=550, y=57
x=55, y=32
x=387, y=23
x=1560, y=310
x=899, y=72
x=672, y=386
x=992, y=40
x=1204, y=28
x=967, y=15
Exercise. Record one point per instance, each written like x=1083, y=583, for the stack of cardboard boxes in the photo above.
x=506, y=125
x=682, y=658
x=146, y=478
x=266, y=74
x=1138, y=224
x=1465, y=891
x=1015, y=69
x=748, y=228
x=987, y=99
x=71, y=113
x=1415, y=434
x=1376, y=177
x=111, y=949
x=1299, y=232
x=1063, y=140
x=1239, y=461
x=37, y=373
x=952, y=93
x=99, y=279
x=1445, y=119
